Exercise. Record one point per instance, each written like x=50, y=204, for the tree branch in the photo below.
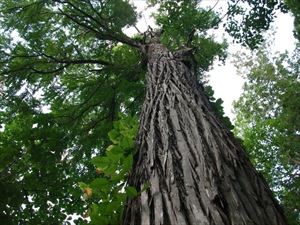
x=80, y=23
x=78, y=61
x=50, y=71
x=108, y=34
x=87, y=15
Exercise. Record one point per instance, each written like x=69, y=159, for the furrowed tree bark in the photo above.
x=198, y=173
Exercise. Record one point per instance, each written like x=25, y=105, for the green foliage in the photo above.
x=294, y=7
x=179, y=19
x=118, y=13
x=109, y=190
x=184, y=23
x=59, y=101
x=209, y=52
x=248, y=19
x=268, y=122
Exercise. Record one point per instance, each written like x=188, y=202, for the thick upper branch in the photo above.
x=103, y=31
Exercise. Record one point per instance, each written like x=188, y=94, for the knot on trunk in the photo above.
x=186, y=56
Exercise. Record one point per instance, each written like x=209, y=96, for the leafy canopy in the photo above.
x=267, y=119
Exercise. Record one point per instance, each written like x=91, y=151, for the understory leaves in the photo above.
x=108, y=192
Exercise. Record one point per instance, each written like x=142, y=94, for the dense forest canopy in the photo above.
x=267, y=120
x=72, y=86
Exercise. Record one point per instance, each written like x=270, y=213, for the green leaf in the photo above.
x=82, y=185
x=101, y=161
x=114, y=136
x=131, y=192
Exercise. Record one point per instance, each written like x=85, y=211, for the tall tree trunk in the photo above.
x=198, y=173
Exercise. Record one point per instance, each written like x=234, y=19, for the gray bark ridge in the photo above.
x=198, y=173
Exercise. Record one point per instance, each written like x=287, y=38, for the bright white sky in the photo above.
x=224, y=79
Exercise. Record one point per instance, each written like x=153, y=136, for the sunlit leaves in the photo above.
x=267, y=122
x=181, y=20
x=208, y=52
x=56, y=113
x=109, y=190
x=120, y=13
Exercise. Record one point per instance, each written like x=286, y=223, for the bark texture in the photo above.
x=198, y=173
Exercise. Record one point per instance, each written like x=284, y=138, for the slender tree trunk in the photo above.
x=198, y=173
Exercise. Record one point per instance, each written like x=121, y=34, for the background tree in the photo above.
x=248, y=19
x=294, y=7
x=267, y=120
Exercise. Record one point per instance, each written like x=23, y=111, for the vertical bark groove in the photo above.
x=198, y=173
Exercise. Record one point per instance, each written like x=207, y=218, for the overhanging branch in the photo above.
x=77, y=61
x=106, y=34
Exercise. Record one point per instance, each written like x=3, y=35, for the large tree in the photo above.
x=68, y=71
